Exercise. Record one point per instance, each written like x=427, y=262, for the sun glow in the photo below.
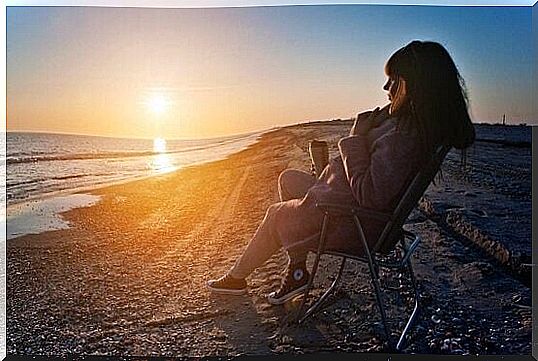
x=157, y=104
x=159, y=145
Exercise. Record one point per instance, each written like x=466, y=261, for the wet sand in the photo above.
x=128, y=278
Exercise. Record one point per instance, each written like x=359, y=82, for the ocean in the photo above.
x=39, y=165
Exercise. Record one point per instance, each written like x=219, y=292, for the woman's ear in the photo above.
x=400, y=98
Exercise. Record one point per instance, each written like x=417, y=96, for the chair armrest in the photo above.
x=354, y=210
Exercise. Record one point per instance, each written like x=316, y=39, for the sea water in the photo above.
x=46, y=173
x=41, y=164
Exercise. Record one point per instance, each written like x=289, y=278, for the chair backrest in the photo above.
x=409, y=200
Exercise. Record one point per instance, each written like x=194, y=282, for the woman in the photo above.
x=428, y=107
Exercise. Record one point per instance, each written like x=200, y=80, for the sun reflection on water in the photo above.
x=159, y=145
x=161, y=162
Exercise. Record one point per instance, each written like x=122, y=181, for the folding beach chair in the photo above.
x=393, y=239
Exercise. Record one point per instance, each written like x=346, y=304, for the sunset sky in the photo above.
x=190, y=73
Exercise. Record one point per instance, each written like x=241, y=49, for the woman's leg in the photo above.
x=293, y=183
x=261, y=247
x=265, y=242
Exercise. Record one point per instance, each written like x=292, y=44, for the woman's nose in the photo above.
x=386, y=86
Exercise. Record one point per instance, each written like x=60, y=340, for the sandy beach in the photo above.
x=128, y=277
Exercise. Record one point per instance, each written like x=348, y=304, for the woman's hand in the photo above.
x=361, y=117
x=366, y=121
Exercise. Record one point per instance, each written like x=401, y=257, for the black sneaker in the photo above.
x=228, y=285
x=293, y=285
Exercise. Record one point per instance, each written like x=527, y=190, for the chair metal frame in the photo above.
x=392, y=237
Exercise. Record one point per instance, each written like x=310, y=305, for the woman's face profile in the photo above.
x=390, y=87
x=395, y=86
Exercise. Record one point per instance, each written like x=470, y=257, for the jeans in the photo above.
x=292, y=184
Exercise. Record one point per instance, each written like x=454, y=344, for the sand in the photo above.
x=128, y=277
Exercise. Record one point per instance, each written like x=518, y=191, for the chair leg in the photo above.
x=413, y=315
x=327, y=293
x=379, y=299
x=321, y=247
x=374, y=273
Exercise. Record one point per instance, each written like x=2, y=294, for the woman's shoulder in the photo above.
x=393, y=129
x=395, y=135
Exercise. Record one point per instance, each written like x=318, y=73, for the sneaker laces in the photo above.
x=227, y=279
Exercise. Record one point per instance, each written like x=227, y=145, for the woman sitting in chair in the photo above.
x=385, y=148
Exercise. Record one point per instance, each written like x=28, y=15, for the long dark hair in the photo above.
x=437, y=102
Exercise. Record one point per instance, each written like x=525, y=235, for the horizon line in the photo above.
x=138, y=138
x=236, y=134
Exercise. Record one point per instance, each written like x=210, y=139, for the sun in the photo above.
x=157, y=104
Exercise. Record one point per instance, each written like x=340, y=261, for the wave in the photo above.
x=15, y=183
x=69, y=166
x=17, y=159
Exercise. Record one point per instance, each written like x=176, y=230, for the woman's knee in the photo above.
x=272, y=209
x=293, y=181
x=283, y=184
x=285, y=176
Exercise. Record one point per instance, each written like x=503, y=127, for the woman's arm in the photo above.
x=378, y=175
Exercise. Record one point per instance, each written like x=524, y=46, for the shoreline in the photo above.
x=49, y=218
x=89, y=188
x=44, y=215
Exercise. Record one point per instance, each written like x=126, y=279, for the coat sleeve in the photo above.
x=376, y=176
